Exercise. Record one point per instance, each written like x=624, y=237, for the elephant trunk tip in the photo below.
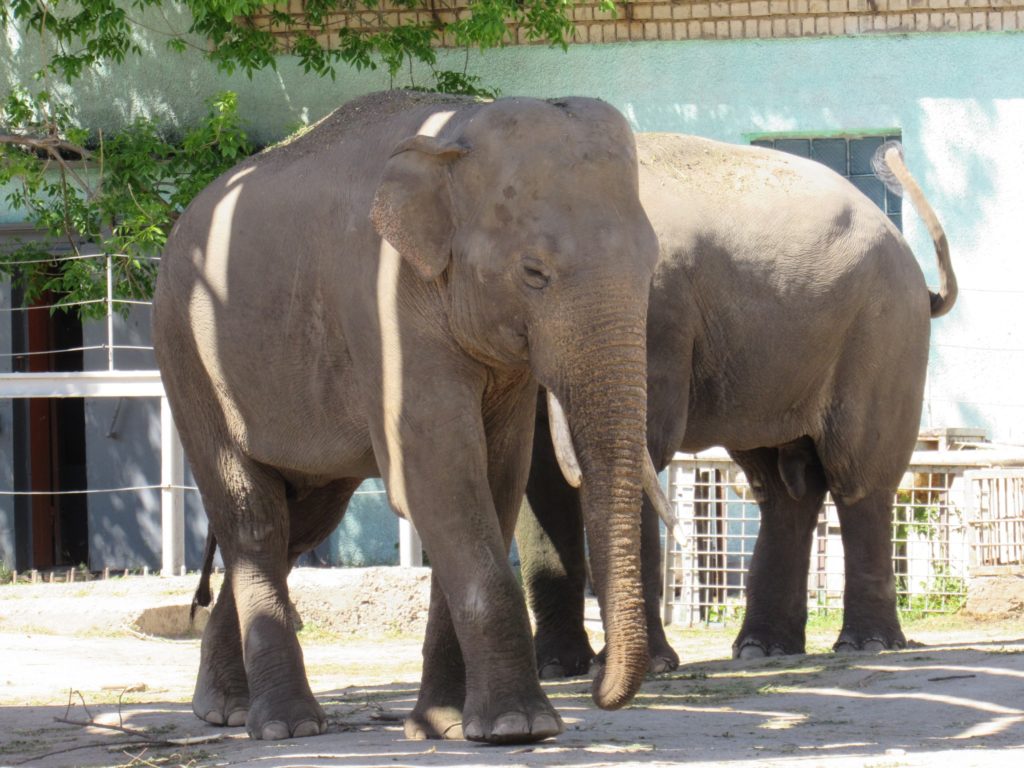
x=611, y=691
x=626, y=662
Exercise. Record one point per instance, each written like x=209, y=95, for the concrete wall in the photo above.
x=956, y=98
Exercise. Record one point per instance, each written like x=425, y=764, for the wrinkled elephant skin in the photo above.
x=380, y=297
x=788, y=322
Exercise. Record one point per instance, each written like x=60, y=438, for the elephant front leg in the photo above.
x=776, y=614
x=870, y=621
x=249, y=514
x=550, y=538
x=662, y=655
x=479, y=632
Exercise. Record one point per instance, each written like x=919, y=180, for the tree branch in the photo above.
x=53, y=146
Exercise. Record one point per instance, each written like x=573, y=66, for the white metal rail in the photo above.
x=112, y=383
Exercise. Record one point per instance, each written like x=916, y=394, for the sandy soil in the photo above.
x=956, y=699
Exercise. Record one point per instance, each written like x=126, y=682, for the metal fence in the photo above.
x=996, y=524
x=948, y=516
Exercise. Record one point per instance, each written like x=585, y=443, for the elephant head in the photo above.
x=527, y=216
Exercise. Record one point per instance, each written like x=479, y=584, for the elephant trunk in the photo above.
x=606, y=408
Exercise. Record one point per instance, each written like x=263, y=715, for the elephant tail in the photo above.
x=890, y=168
x=204, y=596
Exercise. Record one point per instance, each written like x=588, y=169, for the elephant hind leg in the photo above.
x=776, y=614
x=870, y=621
x=221, y=695
x=246, y=504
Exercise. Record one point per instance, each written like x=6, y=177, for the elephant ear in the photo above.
x=412, y=209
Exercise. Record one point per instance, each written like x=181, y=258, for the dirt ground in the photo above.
x=954, y=699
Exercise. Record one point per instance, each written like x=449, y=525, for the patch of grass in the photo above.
x=313, y=633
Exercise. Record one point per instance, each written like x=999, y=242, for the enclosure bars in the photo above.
x=951, y=519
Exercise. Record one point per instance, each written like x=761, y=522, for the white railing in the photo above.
x=114, y=382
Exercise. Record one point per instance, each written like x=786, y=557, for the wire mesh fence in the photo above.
x=946, y=519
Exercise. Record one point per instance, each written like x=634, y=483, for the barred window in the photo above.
x=849, y=156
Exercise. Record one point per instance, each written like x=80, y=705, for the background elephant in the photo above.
x=788, y=322
x=304, y=349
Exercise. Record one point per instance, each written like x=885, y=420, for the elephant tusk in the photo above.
x=653, y=489
x=562, y=439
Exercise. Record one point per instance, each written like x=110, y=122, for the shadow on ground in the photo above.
x=957, y=705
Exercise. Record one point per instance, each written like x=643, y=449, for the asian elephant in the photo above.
x=788, y=322
x=380, y=297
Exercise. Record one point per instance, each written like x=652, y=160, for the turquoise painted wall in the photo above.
x=957, y=99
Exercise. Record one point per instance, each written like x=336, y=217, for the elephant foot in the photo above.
x=434, y=722
x=852, y=641
x=510, y=722
x=277, y=717
x=661, y=656
x=752, y=647
x=567, y=655
x=221, y=700
x=659, y=665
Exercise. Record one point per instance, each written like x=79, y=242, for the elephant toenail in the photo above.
x=414, y=731
x=215, y=717
x=510, y=724
x=473, y=729
x=777, y=650
x=307, y=728
x=873, y=646
x=546, y=725
x=844, y=647
x=453, y=731
x=660, y=665
x=751, y=652
x=274, y=731
x=238, y=718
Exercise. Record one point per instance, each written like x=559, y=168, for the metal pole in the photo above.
x=172, y=499
x=110, y=312
x=410, y=548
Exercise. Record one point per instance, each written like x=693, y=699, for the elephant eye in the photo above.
x=535, y=274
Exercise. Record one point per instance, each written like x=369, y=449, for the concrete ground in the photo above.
x=74, y=652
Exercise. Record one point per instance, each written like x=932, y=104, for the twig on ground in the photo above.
x=145, y=740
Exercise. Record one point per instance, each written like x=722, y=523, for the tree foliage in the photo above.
x=121, y=194
x=121, y=198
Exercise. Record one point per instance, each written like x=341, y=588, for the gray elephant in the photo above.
x=788, y=322
x=380, y=297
